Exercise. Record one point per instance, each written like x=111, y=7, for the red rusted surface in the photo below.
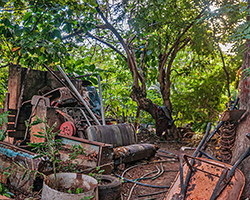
x=68, y=128
x=204, y=180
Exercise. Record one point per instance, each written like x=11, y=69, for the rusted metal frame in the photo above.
x=99, y=156
x=100, y=94
x=60, y=81
x=223, y=183
x=20, y=99
x=78, y=95
x=205, y=161
x=188, y=164
x=81, y=140
x=192, y=160
x=208, y=155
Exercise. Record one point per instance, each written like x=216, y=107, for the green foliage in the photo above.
x=98, y=176
x=34, y=35
x=3, y=119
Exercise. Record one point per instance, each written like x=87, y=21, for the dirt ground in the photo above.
x=156, y=165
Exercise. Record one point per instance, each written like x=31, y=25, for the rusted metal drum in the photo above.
x=134, y=152
x=117, y=135
x=68, y=181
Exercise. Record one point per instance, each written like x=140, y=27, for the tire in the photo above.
x=112, y=190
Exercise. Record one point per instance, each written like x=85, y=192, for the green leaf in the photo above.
x=79, y=190
x=27, y=15
x=24, y=174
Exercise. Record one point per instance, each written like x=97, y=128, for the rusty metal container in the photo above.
x=134, y=152
x=203, y=182
x=68, y=180
x=117, y=135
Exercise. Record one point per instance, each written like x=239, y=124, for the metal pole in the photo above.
x=85, y=116
x=78, y=95
x=100, y=94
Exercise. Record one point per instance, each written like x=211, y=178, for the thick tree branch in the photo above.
x=4, y=66
x=143, y=55
x=186, y=41
x=106, y=43
x=34, y=27
x=224, y=68
x=176, y=43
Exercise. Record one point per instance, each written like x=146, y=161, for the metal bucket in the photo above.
x=117, y=135
x=67, y=180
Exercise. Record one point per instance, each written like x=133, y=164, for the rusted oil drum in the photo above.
x=117, y=135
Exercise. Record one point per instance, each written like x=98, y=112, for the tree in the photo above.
x=147, y=36
x=157, y=32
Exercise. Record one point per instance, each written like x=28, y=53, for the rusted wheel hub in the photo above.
x=68, y=128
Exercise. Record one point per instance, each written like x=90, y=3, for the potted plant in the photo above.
x=63, y=186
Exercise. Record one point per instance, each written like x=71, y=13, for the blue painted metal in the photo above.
x=14, y=153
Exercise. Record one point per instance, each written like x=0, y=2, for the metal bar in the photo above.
x=194, y=155
x=100, y=94
x=208, y=155
x=245, y=155
x=222, y=177
x=78, y=95
x=85, y=116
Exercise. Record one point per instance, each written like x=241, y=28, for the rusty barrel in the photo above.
x=117, y=135
x=134, y=152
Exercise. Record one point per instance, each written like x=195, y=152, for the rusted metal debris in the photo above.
x=96, y=153
x=134, y=152
x=10, y=154
x=203, y=182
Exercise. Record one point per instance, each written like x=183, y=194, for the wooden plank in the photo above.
x=14, y=85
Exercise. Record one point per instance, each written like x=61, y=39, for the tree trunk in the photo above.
x=241, y=142
x=161, y=115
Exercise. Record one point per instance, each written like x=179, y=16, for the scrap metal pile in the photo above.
x=77, y=109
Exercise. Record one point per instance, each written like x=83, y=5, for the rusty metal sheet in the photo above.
x=134, y=152
x=97, y=153
x=232, y=115
x=10, y=154
x=204, y=180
